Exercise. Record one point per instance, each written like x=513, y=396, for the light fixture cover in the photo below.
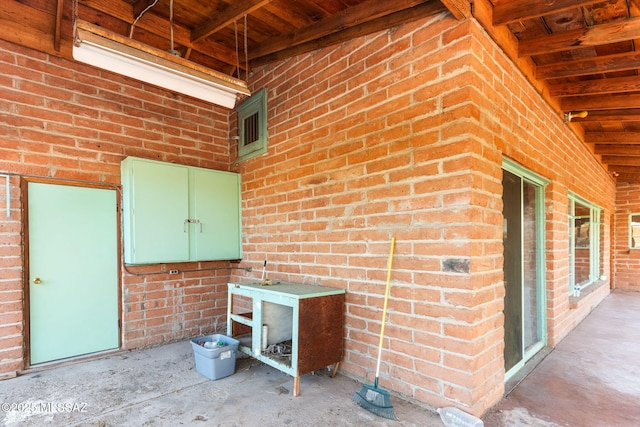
x=113, y=52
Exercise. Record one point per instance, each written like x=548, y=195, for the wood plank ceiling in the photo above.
x=583, y=51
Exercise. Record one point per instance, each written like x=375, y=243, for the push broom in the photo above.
x=371, y=397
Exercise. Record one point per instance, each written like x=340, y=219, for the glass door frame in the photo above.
x=540, y=185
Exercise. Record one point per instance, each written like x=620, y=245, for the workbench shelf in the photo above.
x=293, y=327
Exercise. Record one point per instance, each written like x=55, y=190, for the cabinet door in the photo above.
x=155, y=209
x=215, y=203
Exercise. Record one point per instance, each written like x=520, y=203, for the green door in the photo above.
x=73, y=271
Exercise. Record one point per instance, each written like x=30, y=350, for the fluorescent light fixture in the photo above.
x=112, y=52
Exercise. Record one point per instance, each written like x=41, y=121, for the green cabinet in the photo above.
x=175, y=213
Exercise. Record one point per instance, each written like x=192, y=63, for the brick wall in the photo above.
x=402, y=133
x=398, y=133
x=627, y=262
x=526, y=130
x=11, y=325
x=373, y=139
x=65, y=121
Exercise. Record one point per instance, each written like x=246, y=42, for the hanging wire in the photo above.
x=140, y=16
x=171, y=49
x=246, y=52
x=235, y=28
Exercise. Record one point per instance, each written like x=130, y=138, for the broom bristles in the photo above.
x=376, y=401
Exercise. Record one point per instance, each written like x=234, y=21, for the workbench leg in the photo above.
x=335, y=369
x=296, y=386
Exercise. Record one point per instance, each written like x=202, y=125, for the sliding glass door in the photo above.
x=523, y=238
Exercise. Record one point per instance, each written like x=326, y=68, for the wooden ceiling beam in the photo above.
x=632, y=138
x=389, y=21
x=626, y=169
x=460, y=9
x=600, y=102
x=348, y=18
x=231, y=13
x=617, y=150
x=182, y=36
x=621, y=160
x=625, y=173
x=625, y=177
x=57, y=36
x=119, y=9
x=140, y=6
x=595, y=87
x=622, y=115
x=157, y=25
x=27, y=26
x=614, y=32
x=507, y=12
x=583, y=67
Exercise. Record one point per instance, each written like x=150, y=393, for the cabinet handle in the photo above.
x=191, y=221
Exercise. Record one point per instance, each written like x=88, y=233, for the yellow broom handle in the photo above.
x=384, y=309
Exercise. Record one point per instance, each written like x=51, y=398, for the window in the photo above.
x=634, y=231
x=252, y=126
x=584, y=235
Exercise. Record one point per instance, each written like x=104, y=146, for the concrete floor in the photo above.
x=591, y=379
x=160, y=387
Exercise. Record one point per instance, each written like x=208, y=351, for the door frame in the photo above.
x=541, y=267
x=24, y=189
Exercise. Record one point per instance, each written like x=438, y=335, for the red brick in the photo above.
x=398, y=133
